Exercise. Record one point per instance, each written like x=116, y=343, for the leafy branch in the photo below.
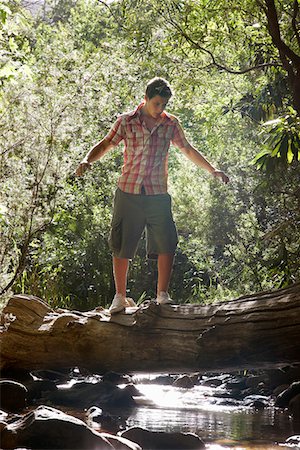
x=115, y=17
x=215, y=63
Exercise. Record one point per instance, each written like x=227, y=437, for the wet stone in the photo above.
x=51, y=375
x=236, y=384
x=163, y=379
x=257, y=401
x=156, y=440
x=184, y=381
x=85, y=395
x=13, y=396
x=294, y=407
x=213, y=382
x=49, y=428
x=293, y=441
x=286, y=396
x=98, y=419
x=116, y=378
x=39, y=389
x=227, y=402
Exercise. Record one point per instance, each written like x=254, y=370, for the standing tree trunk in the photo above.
x=289, y=58
x=256, y=331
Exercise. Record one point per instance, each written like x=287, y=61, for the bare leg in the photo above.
x=164, y=265
x=120, y=267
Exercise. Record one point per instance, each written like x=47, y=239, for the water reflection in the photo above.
x=222, y=426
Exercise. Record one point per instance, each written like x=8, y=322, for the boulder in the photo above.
x=38, y=389
x=286, y=375
x=215, y=380
x=49, y=428
x=116, y=378
x=294, y=407
x=279, y=389
x=196, y=377
x=236, y=383
x=184, y=381
x=121, y=443
x=257, y=401
x=94, y=414
x=165, y=380
x=132, y=390
x=246, y=392
x=97, y=419
x=227, y=402
x=3, y=417
x=84, y=395
x=286, y=396
x=156, y=440
x=252, y=381
x=51, y=375
x=12, y=396
x=293, y=441
x=15, y=374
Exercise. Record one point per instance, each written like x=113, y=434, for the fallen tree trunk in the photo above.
x=256, y=331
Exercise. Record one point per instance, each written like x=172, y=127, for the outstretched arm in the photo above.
x=194, y=155
x=94, y=154
x=197, y=158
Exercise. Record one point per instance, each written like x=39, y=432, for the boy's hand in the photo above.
x=219, y=174
x=82, y=168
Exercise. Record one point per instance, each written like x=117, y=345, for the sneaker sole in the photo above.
x=116, y=310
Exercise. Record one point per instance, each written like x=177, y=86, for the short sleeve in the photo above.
x=116, y=133
x=179, y=139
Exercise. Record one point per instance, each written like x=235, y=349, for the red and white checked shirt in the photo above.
x=145, y=152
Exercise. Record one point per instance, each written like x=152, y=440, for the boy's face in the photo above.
x=156, y=105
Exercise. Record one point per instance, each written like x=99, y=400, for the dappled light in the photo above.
x=221, y=156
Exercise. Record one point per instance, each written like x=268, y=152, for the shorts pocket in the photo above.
x=115, y=237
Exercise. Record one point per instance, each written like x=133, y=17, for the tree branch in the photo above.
x=261, y=5
x=214, y=62
x=29, y=231
x=13, y=146
x=113, y=14
x=274, y=30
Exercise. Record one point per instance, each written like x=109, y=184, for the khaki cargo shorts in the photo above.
x=135, y=212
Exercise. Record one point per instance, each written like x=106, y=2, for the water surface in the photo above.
x=220, y=425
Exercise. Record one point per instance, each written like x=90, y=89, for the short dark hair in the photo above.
x=158, y=86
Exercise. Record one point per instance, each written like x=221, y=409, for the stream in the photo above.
x=218, y=409
x=221, y=423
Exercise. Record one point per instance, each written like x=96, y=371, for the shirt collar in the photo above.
x=137, y=113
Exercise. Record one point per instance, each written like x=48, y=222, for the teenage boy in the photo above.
x=141, y=200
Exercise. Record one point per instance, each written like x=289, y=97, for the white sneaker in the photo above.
x=118, y=304
x=129, y=302
x=163, y=298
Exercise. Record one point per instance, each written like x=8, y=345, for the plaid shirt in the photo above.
x=145, y=152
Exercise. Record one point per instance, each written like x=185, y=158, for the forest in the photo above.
x=69, y=68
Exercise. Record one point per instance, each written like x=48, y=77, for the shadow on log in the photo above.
x=256, y=331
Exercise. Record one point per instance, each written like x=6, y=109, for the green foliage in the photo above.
x=66, y=75
x=15, y=46
x=75, y=266
x=265, y=100
x=46, y=118
x=282, y=142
